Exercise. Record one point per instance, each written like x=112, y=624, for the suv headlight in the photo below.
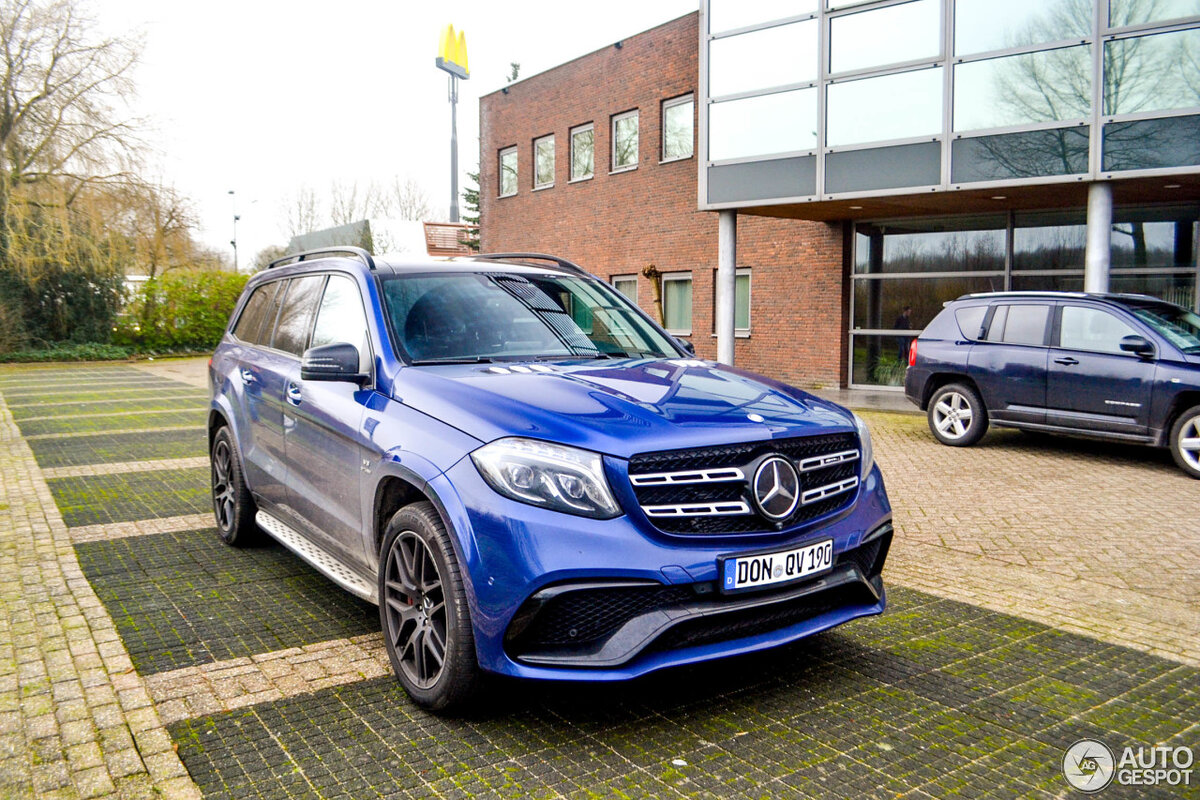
x=552, y=476
x=867, y=456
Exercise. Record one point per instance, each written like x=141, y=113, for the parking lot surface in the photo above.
x=1041, y=591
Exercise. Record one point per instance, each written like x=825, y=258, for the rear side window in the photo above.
x=249, y=326
x=1019, y=324
x=970, y=321
x=295, y=318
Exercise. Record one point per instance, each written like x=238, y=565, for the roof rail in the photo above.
x=355, y=252
x=561, y=262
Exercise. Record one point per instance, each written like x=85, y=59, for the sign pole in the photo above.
x=452, y=58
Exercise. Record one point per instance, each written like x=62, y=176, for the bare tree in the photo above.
x=62, y=93
x=350, y=202
x=159, y=223
x=303, y=212
x=404, y=198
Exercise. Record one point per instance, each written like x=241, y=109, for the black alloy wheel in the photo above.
x=423, y=610
x=233, y=506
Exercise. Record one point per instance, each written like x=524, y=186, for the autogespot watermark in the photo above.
x=1090, y=766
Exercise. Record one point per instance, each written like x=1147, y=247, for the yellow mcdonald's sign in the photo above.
x=452, y=53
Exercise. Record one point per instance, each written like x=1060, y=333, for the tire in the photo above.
x=1185, y=441
x=233, y=506
x=956, y=415
x=424, y=613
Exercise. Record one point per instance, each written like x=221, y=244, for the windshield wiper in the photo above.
x=452, y=360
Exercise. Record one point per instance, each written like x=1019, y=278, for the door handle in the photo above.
x=248, y=377
x=293, y=394
x=1067, y=362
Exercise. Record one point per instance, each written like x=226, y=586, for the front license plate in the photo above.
x=766, y=569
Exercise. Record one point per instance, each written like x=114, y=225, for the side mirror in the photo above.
x=331, y=362
x=686, y=345
x=1138, y=345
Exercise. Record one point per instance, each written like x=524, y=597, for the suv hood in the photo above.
x=619, y=408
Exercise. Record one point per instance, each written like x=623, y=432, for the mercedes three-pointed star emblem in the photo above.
x=776, y=488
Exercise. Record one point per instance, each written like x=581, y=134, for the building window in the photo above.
x=677, y=128
x=625, y=141
x=583, y=149
x=543, y=162
x=741, y=302
x=508, y=171
x=627, y=285
x=897, y=34
x=677, y=303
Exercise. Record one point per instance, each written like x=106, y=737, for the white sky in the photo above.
x=263, y=96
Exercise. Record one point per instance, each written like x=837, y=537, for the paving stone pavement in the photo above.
x=75, y=719
x=1042, y=590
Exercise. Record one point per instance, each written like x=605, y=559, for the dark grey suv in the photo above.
x=1120, y=367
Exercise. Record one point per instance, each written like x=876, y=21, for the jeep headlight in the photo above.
x=867, y=456
x=552, y=476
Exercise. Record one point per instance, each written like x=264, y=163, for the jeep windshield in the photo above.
x=470, y=317
x=1178, y=326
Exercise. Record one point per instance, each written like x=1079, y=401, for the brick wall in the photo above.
x=616, y=224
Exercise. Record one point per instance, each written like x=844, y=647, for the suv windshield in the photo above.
x=472, y=317
x=1178, y=326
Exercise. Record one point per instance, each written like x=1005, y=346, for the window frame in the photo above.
x=631, y=276
x=616, y=118
x=682, y=275
x=572, y=133
x=740, y=272
x=504, y=151
x=553, y=161
x=669, y=103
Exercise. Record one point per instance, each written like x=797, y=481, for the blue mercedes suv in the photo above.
x=529, y=476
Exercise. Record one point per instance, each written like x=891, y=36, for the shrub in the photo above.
x=184, y=310
x=69, y=352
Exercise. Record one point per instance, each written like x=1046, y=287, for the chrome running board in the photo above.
x=318, y=559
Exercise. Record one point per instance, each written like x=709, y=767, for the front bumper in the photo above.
x=638, y=600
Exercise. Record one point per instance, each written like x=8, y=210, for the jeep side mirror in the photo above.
x=331, y=362
x=1138, y=345
x=686, y=345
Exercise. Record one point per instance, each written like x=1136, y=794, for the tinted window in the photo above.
x=250, y=324
x=341, y=318
x=1092, y=329
x=291, y=332
x=471, y=317
x=970, y=320
x=1023, y=324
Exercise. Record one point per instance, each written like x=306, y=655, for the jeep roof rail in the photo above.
x=561, y=262
x=356, y=252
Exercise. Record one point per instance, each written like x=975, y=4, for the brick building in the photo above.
x=714, y=134
x=616, y=222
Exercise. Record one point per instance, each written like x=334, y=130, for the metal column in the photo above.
x=726, y=283
x=1099, y=227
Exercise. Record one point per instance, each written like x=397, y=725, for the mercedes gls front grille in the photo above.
x=709, y=490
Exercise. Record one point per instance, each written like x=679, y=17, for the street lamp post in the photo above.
x=452, y=57
x=233, y=241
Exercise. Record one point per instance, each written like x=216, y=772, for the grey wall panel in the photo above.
x=884, y=168
x=763, y=180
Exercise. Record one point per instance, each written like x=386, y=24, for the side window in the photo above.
x=341, y=319
x=250, y=324
x=1092, y=329
x=291, y=332
x=970, y=321
x=1019, y=324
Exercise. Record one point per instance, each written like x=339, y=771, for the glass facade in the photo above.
x=904, y=270
x=1057, y=90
